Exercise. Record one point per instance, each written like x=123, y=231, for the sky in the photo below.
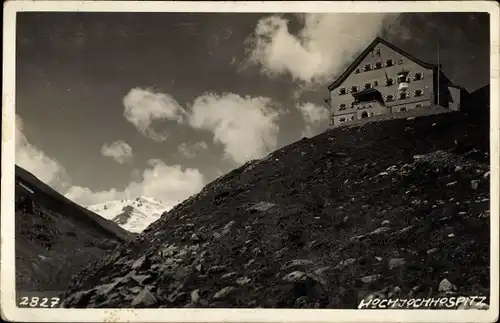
x=118, y=105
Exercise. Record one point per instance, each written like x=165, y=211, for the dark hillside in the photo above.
x=399, y=207
x=55, y=237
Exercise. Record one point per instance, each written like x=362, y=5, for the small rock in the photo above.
x=195, y=296
x=380, y=230
x=195, y=237
x=446, y=286
x=144, y=299
x=135, y=289
x=431, y=251
x=321, y=271
x=458, y=168
x=140, y=263
x=242, y=281
x=106, y=289
x=42, y=257
x=294, y=276
x=357, y=238
x=228, y=275
x=378, y=258
x=474, y=184
x=394, y=292
x=228, y=226
x=451, y=235
x=486, y=175
x=224, y=292
x=141, y=278
x=396, y=262
x=261, y=207
x=451, y=183
x=405, y=229
x=318, y=278
x=297, y=262
x=301, y=302
x=344, y=263
x=249, y=263
x=216, y=269
x=385, y=222
x=370, y=279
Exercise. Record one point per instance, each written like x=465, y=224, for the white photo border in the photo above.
x=12, y=313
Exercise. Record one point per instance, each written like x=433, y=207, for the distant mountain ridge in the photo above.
x=132, y=215
x=56, y=237
x=33, y=185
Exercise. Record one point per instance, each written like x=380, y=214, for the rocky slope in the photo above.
x=56, y=238
x=399, y=207
x=131, y=215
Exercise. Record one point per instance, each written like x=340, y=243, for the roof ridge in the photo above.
x=365, y=53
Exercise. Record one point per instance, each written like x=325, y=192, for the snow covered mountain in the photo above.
x=132, y=215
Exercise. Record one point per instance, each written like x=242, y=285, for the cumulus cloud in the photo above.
x=85, y=196
x=315, y=118
x=119, y=150
x=37, y=162
x=144, y=106
x=191, y=151
x=323, y=47
x=246, y=126
x=168, y=183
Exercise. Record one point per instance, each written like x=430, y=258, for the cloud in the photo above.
x=84, y=196
x=315, y=117
x=143, y=107
x=119, y=150
x=246, y=126
x=36, y=162
x=168, y=183
x=323, y=47
x=190, y=151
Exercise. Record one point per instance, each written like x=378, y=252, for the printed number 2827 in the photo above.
x=43, y=302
